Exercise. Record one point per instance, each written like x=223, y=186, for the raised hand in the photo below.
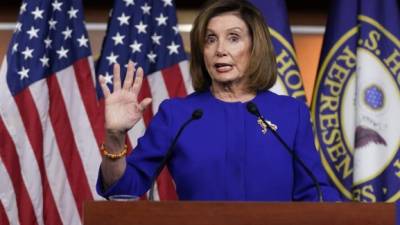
x=122, y=109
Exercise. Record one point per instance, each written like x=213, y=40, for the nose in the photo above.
x=220, y=51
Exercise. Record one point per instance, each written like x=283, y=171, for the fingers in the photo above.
x=129, y=76
x=144, y=103
x=131, y=82
x=103, y=85
x=138, y=81
x=117, y=77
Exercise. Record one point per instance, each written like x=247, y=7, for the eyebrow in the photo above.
x=229, y=29
x=236, y=28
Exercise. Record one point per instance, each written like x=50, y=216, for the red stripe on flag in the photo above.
x=144, y=93
x=33, y=128
x=174, y=81
x=88, y=95
x=3, y=215
x=10, y=159
x=166, y=189
x=67, y=146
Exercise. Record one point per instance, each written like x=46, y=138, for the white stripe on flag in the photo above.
x=7, y=195
x=92, y=70
x=158, y=89
x=136, y=132
x=58, y=180
x=29, y=167
x=82, y=130
x=187, y=79
x=55, y=169
x=156, y=195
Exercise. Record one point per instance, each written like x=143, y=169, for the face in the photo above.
x=227, y=49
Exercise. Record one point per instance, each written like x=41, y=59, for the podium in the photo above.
x=236, y=213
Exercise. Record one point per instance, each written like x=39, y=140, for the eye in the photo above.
x=210, y=39
x=233, y=37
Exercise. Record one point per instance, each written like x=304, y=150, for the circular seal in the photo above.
x=289, y=80
x=355, y=109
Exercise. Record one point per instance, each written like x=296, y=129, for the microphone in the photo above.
x=197, y=114
x=252, y=108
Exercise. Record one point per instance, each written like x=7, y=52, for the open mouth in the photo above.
x=222, y=67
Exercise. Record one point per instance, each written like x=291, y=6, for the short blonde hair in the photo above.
x=262, y=69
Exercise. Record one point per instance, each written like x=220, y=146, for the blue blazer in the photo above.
x=225, y=155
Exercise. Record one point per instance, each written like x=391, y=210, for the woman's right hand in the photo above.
x=122, y=108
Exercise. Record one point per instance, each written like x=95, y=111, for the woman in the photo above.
x=227, y=154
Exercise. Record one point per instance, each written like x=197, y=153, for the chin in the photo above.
x=225, y=78
x=224, y=81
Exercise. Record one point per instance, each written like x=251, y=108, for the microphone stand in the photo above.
x=252, y=108
x=197, y=114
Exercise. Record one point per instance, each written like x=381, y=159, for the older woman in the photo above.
x=228, y=154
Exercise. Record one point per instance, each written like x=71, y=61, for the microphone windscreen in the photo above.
x=197, y=114
x=252, y=108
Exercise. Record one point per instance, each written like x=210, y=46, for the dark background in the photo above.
x=292, y=4
x=301, y=12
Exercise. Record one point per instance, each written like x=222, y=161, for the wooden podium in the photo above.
x=236, y=213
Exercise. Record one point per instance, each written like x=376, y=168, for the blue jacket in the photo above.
x=225, y=155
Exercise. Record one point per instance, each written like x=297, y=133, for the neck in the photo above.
x=231, y=93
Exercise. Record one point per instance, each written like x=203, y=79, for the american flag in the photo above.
x=146, y=32
x=49, y=134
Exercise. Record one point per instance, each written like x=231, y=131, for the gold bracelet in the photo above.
x=113, y=156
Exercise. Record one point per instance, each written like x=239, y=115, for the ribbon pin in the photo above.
x=264, y=127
